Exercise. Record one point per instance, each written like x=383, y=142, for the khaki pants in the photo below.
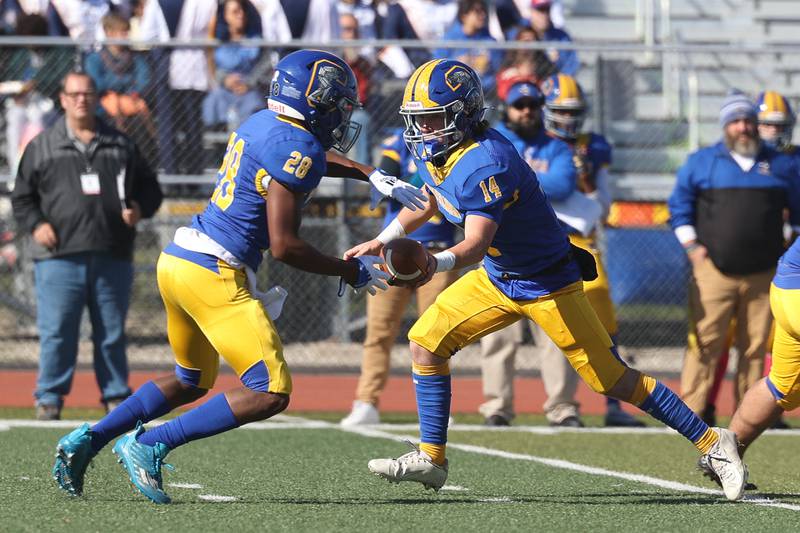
x=498, y=357
x=714, y=300
x=385, y=313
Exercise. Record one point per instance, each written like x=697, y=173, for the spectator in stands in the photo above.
x=309, y=20
x=81, y=19
x=523, y=65
x=181, y=78
x=733, y=251
x=566, y=61
x=556, y=11
x=401, y=21
x=472, y=25
x=122, y=78
x=81, y=189
x=362, y=67
x=365, y=14
x=385, y=310
x=235, y=68
x=31, y=77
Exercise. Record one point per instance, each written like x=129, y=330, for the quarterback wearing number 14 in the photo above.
x=206, y=276
x=476, y=179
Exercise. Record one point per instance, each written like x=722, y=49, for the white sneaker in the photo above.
x=413, y=466
x=363, y=414
x=724, y=460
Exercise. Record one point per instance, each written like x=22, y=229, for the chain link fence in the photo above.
x=655, y=104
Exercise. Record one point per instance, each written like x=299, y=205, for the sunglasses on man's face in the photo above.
x=525, y=103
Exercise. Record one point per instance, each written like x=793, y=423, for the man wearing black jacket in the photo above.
x=81, y=188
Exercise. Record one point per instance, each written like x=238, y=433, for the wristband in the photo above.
x=445, y=261
x=391, y=232
x=691, y=247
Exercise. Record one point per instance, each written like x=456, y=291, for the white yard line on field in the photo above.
x=577, y=467
x=293, y=422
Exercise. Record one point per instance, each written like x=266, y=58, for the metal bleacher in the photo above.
x=665, y=113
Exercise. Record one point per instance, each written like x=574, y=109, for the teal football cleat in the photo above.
x=143, y=464
x=73, y=455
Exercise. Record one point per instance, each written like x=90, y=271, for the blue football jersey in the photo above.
x=265, y=147
x=487, y=177
x=787, y=276
x=436, y=231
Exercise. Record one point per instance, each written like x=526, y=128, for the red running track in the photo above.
x=333, y=392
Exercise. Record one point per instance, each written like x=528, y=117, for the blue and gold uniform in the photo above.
x=203, y=275
x=528, y=270
x=436, y=232
x=784, y=298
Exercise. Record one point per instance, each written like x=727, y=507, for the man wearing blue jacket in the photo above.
x=727, y=212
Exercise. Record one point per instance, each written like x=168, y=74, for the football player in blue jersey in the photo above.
x=475, y=178
x=206, y=276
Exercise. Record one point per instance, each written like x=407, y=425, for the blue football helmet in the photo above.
x=442, y=104
x=564, y=106
x=774, y=110
x=320, y=89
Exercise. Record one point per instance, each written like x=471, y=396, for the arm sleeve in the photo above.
x=682, y=200
x=25, y=198
x=145, y=188
x=560, y=180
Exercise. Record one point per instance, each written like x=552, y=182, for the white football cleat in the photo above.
x=363, y=414
x=416, y=466
x=724, y=460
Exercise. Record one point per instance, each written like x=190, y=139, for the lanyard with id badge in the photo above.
x=90, y=183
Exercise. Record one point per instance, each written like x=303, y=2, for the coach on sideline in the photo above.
x=727, y=212
x=81, y=188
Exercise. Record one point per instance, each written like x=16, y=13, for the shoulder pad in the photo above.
x=297, y=164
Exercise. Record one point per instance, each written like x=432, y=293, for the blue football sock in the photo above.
x=433, y=402
x=664, y=405
x=146, y=404
x=214, y=416
x=612, y=403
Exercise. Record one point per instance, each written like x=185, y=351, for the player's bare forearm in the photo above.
x=299, y=254
x=283, y=223
x=413, y=220
x=340, y=166
x=478, y=235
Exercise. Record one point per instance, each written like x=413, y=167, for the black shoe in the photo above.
x=780, y=423
x=497, y=421
x=569, y=422
x=709, y=415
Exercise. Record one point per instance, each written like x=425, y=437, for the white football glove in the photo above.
x=384, y=185
x=370, y=275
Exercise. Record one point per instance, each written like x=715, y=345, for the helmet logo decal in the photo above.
x=456, y=76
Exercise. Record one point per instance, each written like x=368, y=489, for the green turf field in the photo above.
x=293, y=475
